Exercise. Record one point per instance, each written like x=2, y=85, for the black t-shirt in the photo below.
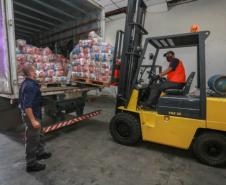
x=174, y=63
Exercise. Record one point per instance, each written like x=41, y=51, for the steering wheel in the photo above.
x=162, y=79
x=152, y=76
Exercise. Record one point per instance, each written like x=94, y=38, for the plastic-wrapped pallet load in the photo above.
x=49, y=67
x=91, y=59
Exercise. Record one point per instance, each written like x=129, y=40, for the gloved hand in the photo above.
x=156, y=77
x=162, y=79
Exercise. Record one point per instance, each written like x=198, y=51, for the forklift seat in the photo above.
x=185, y=90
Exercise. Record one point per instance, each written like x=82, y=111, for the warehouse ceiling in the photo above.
x=110, y=5
x=35, y=16
x=114, y=5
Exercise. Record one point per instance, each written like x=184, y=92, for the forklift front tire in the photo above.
x=210, y=148
x=125, y=129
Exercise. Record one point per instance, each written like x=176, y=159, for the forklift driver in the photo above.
x=175, y=79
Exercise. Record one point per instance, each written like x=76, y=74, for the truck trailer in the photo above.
x=56, y=24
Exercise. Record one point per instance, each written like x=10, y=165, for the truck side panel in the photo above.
x=5, y=82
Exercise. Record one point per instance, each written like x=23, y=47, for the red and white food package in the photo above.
x=59, y=73
x=46, y=51
x=40, y=74
x=21, y=42
x=50, y=73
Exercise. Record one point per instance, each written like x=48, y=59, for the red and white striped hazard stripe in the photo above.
x=70, y=122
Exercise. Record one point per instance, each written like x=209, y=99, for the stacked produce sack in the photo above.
x=49, y=67
x=92, y=59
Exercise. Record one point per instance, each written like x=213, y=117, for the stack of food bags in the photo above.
x=49, y=67
x=92, y=59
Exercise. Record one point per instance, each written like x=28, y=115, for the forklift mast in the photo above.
x=131, y=49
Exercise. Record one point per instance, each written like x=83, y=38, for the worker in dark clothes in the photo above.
x=176, y=78
x=30, y=102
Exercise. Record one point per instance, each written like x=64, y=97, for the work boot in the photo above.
x=35, y=167
x=44, y=155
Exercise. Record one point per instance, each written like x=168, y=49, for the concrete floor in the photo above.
x=85, y=154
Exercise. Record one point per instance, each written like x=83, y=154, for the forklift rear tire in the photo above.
x=125, y=129
x=210, y=148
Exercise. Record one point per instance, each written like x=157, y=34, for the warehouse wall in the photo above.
x=209, y=14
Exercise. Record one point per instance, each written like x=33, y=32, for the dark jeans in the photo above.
x=156, y=89
x=33, y=141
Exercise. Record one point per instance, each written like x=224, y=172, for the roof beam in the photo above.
x=116, y=12
x=94, y=3
x=27, y=27
x=34, y=18
x=37, y=11
x=54, y=8
x=178, y=2
x=69, y=28
x=31, y=23
x=23, y=31
x=69, y=37
x=74, y=6
x=23, y=35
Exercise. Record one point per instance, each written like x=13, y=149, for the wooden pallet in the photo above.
x=86, y=80
x=92, y=82
x=105, y=84
x=44, y=85
x=51, y=84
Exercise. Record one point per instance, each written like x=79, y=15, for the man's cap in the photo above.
x=168, y=52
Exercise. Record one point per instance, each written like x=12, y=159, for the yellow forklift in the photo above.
x=180, y=119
